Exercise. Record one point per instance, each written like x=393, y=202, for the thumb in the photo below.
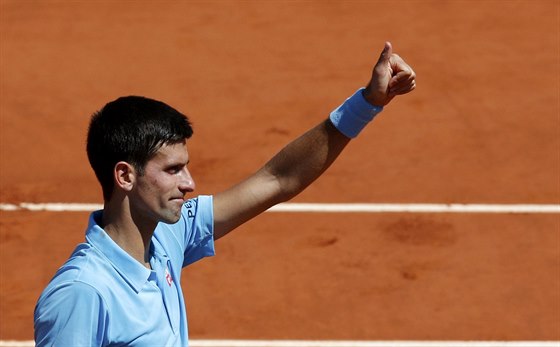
x=385, y=54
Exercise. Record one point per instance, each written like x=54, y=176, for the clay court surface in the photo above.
x=482, y=127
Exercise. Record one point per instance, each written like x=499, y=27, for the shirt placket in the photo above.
x=167, y=289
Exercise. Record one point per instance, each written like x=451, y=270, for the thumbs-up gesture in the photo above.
x=391, y=77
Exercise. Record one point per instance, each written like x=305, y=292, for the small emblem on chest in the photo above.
x=168, y=277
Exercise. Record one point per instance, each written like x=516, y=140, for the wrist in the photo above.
x=374, y=98
x=354, y=114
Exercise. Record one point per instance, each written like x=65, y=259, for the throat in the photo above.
x=133, y=242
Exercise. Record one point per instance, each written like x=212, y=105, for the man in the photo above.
x=122, y=286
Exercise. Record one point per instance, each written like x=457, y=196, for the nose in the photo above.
x=186, y=183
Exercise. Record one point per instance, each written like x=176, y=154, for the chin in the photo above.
x=172, y=219
x=171, y=215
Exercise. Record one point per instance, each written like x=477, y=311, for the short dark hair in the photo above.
x=131, y=129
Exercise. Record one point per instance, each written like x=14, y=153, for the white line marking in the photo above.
x=315, y=343
x=8, y=207
x=417, y=208
x=329, y=208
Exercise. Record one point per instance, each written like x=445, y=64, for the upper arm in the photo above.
x=244, y=201
x=198, y=219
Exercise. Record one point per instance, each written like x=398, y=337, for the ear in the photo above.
x=125, y=176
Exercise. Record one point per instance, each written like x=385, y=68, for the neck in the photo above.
x=133, y=237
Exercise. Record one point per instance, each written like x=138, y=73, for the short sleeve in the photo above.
x=199, y=238
x=192, y=237
x=72, y=314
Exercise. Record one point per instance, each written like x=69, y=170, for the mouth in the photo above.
x=178, y=199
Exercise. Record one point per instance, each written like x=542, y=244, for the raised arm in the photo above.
x=303, y=160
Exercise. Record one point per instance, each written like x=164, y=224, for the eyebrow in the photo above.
x=176, y=164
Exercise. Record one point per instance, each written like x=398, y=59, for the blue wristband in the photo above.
x=354, y=114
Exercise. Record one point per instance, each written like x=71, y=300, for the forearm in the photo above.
x=303, y=160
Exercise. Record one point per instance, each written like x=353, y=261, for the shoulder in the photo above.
x=82, y=275
x=62, y=295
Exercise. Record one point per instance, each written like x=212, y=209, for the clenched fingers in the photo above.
x=402, y=89
x=403, y=79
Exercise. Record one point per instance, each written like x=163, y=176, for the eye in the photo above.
x=174, y=169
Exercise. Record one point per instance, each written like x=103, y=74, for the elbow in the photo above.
x=288, y=189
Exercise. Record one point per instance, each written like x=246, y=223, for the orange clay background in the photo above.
x=482, y=127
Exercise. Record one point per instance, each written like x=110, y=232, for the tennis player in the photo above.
x=121, y=287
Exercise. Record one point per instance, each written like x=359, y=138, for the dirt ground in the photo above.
x=482, y=127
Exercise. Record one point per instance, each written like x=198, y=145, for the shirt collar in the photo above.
x=129, y=268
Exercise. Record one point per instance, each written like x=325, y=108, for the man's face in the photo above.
x=158, y=195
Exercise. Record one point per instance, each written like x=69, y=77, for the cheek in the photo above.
x=163, y=184
x=149, y=187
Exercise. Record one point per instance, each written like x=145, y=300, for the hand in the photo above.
x=391, y=77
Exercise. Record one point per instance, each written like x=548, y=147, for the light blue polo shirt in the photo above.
x=103, y=297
